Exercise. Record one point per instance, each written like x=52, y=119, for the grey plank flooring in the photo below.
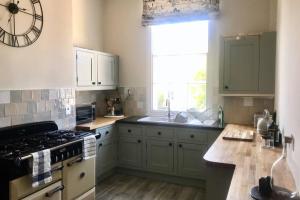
x=123, y=187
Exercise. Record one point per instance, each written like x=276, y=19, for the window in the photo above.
x=179, y=66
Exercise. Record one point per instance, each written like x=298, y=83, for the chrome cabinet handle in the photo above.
x=77, y=160
x=52, y=192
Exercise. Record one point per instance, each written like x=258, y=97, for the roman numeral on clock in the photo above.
x=36, y=31
x=2, y=35
x=35, y=1
x=38, y=17
x=27, y=40
x=14, y=41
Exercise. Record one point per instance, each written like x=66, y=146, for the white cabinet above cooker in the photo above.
x=96, y=70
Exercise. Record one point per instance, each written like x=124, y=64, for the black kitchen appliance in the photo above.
x=18, y=142
x=85, y=113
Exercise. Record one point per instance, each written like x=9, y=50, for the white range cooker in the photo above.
x=73, y=178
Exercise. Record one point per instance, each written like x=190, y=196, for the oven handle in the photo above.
x=77, y=160
x=57, y=169
x=52, y=192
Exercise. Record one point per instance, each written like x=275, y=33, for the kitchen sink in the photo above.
x=157, y=119
x=172, y=120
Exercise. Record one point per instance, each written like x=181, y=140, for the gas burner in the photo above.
x=19, y=146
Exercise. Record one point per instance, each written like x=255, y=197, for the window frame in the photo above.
x=150, y=110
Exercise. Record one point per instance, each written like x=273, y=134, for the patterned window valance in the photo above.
x=171, y=11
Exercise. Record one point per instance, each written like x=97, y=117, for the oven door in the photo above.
x=78, y=177
x=22, y=187
x=52, y=192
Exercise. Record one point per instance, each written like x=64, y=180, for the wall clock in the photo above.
x=21, y=22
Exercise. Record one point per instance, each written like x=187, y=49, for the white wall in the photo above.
x=88, y=24
x=48, y=62
x=125, y=36
x=288, y=90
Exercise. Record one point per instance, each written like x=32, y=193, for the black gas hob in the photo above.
x=20, y=147
x=18, y=142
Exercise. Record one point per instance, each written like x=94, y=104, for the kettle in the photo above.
x=264, y=122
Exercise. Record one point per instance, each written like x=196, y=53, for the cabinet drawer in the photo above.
x=160, y=132
x=130, y=131
x=106, y=132
x=191, y=135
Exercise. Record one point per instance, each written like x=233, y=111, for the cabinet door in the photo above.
x=86, y=68
x=106, y=156
x=107, y=70
x=241, y=64
x=267, y=62
x=190, y=160
x=130, y=152
x=160, y=156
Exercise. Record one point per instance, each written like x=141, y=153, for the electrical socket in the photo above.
x=68, y=109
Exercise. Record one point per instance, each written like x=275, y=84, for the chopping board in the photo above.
x=240, y=135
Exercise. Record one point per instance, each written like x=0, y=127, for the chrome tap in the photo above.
x=168, y=104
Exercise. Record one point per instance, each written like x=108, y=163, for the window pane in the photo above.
x=179, y=65
x=189, y=37
x=160, y=95
x=197, y=96
x=179, y=68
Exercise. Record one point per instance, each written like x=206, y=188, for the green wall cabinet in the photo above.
x=247, y=64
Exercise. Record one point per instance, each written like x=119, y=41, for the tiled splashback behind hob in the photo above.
x=25, y=106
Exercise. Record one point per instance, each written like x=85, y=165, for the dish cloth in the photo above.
x=41, y=168
x=89, y=147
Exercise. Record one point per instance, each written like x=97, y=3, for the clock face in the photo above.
x=21, y=22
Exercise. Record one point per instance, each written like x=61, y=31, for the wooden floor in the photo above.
x=123, y=187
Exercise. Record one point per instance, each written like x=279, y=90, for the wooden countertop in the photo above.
x=98, y=123
x=249, y=160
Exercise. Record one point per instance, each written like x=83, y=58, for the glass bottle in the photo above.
x=277, y=175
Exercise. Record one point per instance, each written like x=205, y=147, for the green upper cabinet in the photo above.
x=248, y=65
x=267, y=62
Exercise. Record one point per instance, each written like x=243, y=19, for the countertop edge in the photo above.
x=134, y=120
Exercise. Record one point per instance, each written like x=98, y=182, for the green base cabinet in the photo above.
x=130, y=153
x=160, y=156
x=106, y=156
x=106, y=150
x=190, y=160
